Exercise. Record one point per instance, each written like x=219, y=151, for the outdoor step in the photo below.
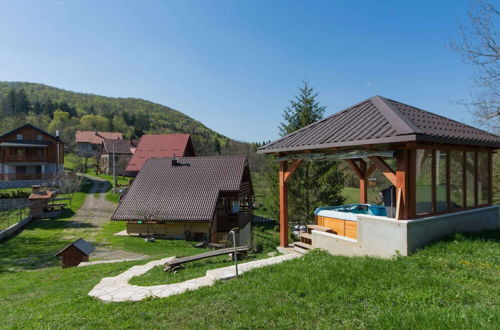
x=320, y=228
x=303, y=245
x=306, y=235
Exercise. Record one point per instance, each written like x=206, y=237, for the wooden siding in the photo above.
x=341, y=227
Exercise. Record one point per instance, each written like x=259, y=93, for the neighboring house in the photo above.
x=88, y=143
x=200, y=198
x=160, y=146
x=29, y=153
x=123, y=150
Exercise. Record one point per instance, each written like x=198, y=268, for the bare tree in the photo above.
x=478, y=45
x=68, y=184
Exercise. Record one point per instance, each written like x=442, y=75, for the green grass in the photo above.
x=36, y=245
x=351, y=195
x=453, y=285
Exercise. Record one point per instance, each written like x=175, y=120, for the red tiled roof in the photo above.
x=46, y=194
x=125, y=146
x=160, y=146
x=94, y=137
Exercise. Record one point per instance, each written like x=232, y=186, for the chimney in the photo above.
x=35, y=189
x=57, y=133
x=175, y=162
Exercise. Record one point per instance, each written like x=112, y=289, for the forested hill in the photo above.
x=52, y=108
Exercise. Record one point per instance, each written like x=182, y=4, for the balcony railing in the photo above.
x=25, y=176
x=25, y=158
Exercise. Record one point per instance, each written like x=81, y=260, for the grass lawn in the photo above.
x=451, y=284
x=351, y=195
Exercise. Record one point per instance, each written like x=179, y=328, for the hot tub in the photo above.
x=342, y=220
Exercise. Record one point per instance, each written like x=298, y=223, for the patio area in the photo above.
x=439, y=171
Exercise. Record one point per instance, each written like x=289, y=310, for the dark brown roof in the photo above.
x=184, y=192
x=81, y=244
x=121, y=146
x=381, y=120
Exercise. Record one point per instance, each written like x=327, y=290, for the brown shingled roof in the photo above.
x=184, y=192
x=94, y=137
x=380, y=120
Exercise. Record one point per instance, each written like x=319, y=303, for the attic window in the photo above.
x=19, y=136
x=39, y=138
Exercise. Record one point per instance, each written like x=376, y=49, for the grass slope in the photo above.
x=452, y=284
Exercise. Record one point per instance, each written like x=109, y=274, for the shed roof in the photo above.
x=158, y=146
x=185, y=192
x=81, y=244
x=126, y=146
x=43, y=194
x=379, y=120
x=94, y=137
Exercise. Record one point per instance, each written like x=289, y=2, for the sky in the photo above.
x=234, y=65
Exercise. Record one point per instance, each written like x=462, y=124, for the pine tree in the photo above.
x=313, y=184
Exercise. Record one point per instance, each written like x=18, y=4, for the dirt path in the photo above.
x=95, y=212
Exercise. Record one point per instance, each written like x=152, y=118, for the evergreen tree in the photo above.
x=313, y=184
x=22, y=103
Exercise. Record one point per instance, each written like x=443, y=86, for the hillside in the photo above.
x=53, y=108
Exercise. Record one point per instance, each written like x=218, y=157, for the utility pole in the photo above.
x=114, y=170
x=235, y=253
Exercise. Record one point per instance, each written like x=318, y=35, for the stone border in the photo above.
x=117, y=288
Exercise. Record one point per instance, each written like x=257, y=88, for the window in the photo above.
x=20, y=153
x=39, y=137
x=470, y=178
x=483, y=178
x=441, y=181
x=456, y=179
x=424, y=181
x=19, y=136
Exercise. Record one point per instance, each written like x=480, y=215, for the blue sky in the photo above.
x=234, y=65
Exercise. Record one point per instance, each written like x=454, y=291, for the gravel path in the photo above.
x=91, y=217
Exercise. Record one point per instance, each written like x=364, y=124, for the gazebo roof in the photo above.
x=379, y=120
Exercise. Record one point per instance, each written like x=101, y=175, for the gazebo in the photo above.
x=440, y=170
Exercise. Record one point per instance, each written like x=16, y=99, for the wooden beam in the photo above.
x=370, y=170
x=295, y=164
x=384, y=168
x=355, y=168
x=433, y=182
x=283, y=188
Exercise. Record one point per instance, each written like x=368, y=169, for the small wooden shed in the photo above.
x=39, y=200
x=76, y=252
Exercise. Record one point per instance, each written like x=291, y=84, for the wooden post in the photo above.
x=283, y=205
x=402, y=200
x=363, y=183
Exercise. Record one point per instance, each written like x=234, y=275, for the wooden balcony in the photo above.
x=25, y=176
x=232, y=220
x=24, y=158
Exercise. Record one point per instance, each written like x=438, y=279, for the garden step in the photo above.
x=319, y=228
x=306, y=235
x=302, y=247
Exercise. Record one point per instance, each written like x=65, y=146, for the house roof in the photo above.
x=379, y=120
x=94, y=137
x=81, y=244
x=29, y=126
x=158, y=146
x=125, y=146
x=185, y=192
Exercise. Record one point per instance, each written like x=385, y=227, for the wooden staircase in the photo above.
x=305, y=243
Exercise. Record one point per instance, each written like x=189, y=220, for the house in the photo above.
x=29, y=153
x=160, y=146
x=440, y=170
x=76, y=252
x=123, y=151
x=201, y=198
x=88, y=143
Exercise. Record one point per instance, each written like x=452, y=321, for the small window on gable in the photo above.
x=19, y=136
x=39, y=137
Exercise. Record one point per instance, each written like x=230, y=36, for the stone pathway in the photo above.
x=117, y=288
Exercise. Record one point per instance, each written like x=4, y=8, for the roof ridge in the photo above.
x=400, y=123
x=445, y=118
